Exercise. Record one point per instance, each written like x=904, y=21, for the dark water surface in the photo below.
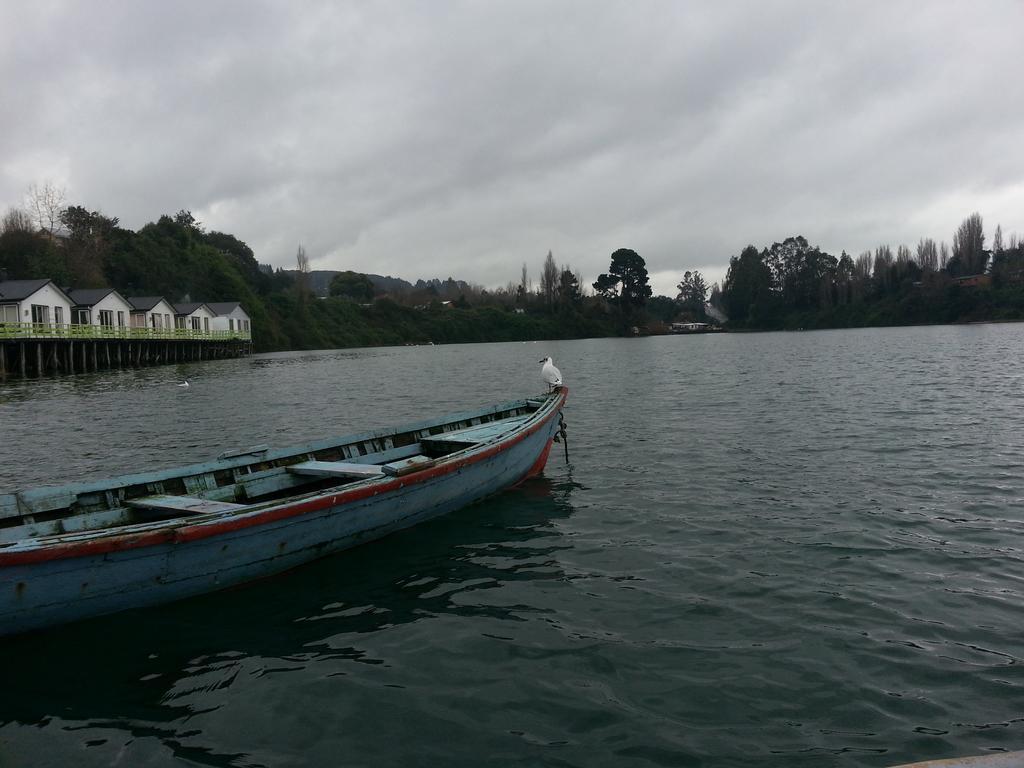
x=768, y=550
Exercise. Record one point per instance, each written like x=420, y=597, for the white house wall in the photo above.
x=205, y=317
x=115, y=304
x=239, y=315
x=166, y=313
x=47, y=296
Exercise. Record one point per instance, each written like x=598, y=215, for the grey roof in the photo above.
x=145, y=303
x=224, y=307
x=189, y=307
x=87, y=297
x=16, y=290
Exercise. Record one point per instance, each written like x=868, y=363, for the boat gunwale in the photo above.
x=244, y=459
x=183, y=530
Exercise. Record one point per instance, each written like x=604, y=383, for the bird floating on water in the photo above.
x=551, y=375
x=184, y=384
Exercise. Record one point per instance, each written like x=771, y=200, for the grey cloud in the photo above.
x=462, y=139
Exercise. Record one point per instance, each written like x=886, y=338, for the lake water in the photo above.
x=767, y=550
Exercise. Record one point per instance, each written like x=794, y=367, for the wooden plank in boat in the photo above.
x=182, y=504
x=405, y=466
x=9, y=506
x=479, y=433
x=40, y=500
x=70, y=524
x=270, y=482
x=335, y=469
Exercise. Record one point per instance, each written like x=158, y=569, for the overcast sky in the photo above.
x=433, y=138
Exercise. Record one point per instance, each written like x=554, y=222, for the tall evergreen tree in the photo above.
x=549, y=282
x=969, y=256
x=626, y=282
x=747, y=290
x=693, y=292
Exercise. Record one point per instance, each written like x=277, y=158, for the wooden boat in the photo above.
x=94, y=548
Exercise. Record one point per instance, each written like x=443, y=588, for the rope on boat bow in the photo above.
x=562, y=436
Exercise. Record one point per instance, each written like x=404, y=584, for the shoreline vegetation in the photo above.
x=788, y=286
x=793, y=285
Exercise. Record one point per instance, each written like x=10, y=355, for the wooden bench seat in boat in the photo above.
x=405, y=466
x=335, y=469
x=355, y=470
x=188, y=504
x=479, y=433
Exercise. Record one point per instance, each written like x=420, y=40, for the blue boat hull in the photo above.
x=95, y=575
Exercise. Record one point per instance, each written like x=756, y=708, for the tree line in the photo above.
x=790, y=284
x=793, y=284
x=177, y=257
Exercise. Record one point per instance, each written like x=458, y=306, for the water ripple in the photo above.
x=769, y=549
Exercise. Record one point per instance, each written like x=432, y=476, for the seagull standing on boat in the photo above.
x=551, y=375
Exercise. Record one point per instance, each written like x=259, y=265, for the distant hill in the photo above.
x=320, y=283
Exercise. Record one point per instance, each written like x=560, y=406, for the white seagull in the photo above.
x=184, y=385
x=551, y=375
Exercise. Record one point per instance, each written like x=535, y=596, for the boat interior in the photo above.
x=239, y=480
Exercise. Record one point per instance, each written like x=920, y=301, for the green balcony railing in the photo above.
x=75, y=332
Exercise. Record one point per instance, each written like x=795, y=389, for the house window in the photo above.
x=155, y=319
x=58, y=315
x=83, y=316
x=138, y=320
x=206, y=324
x=107, y=317
x=120, y=318
x=179, y=322
x=195, y=323
x=40, y=314
x=9, y=313
x=231, y=323
x=167, y=321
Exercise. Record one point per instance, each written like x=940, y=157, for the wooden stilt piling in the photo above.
x=46, y=356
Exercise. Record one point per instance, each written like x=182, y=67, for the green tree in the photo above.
x=1008, y=265
x=747, y=290
x=26, y=252
x=662, y=308
x=352, y=285
x=89, y=243
x=693, y=293
x=185, y=219
x=549, y=282
x=569, y=293
x=844, y=279
x=969, y=255
x=799, y=271
x=626, y=282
